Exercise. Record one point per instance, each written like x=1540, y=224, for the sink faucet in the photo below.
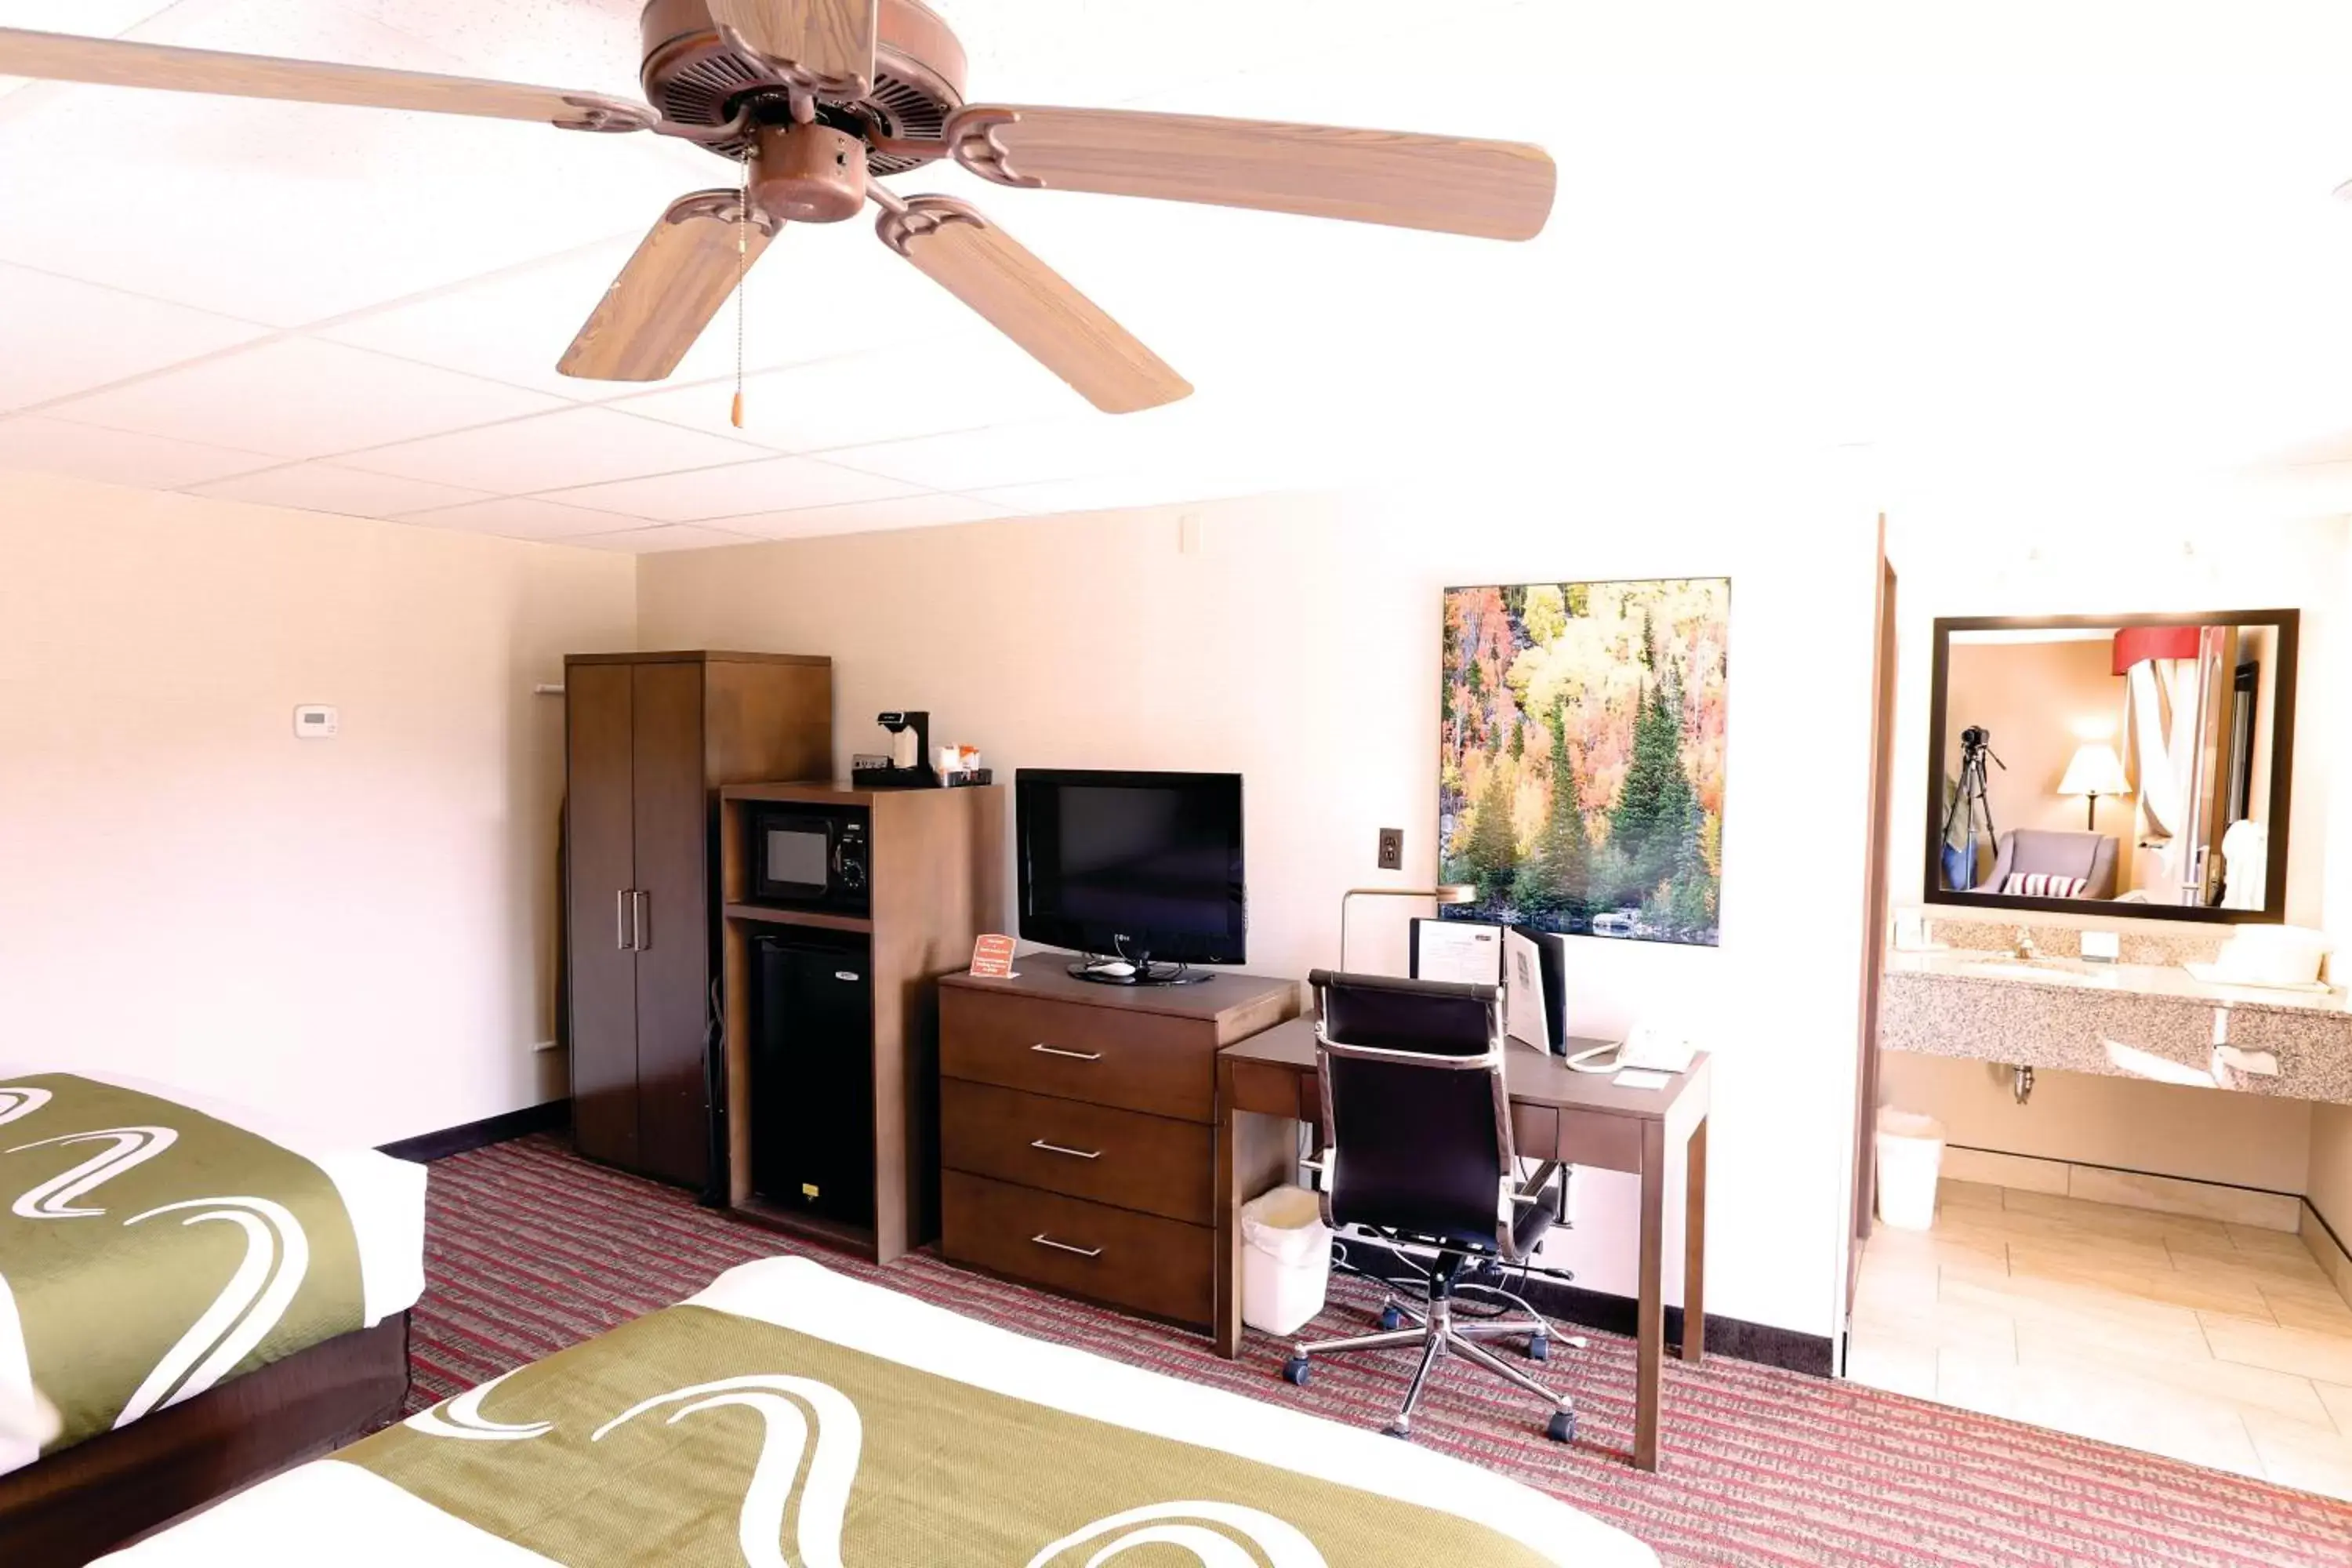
x=2024, y=950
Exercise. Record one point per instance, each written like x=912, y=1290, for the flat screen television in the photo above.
x=1143, y=871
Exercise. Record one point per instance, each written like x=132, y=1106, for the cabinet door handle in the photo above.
x=1057, y=1149
x=1045, y=1050
x=641, y=918
x=1042, y=1240
x=622, y=908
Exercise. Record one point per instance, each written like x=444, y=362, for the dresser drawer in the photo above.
x=1104, y=1056
x=1143, y=1261
x=1122, y=1157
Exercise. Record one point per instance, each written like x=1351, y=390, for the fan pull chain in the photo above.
x=743, y=246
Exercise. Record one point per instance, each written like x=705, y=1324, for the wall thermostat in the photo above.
x=316, y=721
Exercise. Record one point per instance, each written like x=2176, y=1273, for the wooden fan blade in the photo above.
x=121, y=62
x=1030, y=304
x=1496, y=190
x=826, y=45
x=680, y=274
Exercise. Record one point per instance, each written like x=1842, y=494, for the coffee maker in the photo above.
x=907, y=766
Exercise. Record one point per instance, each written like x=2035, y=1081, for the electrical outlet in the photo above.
x=1391, y=848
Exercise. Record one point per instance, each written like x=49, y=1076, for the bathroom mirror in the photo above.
x=2138, y=763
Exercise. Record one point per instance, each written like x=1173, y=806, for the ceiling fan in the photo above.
x=817, y=97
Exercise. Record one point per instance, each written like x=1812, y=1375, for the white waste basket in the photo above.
x=1910, y=1156
x=1285, y=1260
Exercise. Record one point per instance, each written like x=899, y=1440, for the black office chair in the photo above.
x=1417, y=1127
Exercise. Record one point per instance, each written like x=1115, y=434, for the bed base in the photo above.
x=102, y=1494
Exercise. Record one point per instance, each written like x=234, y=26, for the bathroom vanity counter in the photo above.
x=2123, y=1020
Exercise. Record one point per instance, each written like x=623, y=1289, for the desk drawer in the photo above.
x=1535, y=1131
x=1123, y=1157
x=1143, y=1261
x=1104, y=1056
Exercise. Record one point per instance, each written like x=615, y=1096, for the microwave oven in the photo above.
x=808, y=857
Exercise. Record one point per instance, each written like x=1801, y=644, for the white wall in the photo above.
x=1299, y=646
x=2330, y=1184
x=1954, y=563
x=2167, y=1130
x=1963, y=560
x=359, y=931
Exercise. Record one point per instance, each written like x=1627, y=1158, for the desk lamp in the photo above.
x=1444, y=893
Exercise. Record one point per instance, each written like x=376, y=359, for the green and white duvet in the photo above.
x=788, y=1418
x=151, y=1250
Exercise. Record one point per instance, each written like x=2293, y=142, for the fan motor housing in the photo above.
x=691, y=77
x=808, y=174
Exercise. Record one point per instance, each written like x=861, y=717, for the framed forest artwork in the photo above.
x=1581, y=755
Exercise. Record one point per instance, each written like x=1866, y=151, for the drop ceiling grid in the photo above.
x=843, y=401
x=140, y=405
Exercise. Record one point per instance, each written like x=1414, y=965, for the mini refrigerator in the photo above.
x=813, y=1074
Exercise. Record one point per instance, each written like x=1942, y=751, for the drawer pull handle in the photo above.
x=1057, y=1149
x=1042, y=1240
x=1044, y=1050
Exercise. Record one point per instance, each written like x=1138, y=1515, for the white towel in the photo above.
x=2245, y=864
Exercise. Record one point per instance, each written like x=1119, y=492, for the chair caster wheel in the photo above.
x=1295, y=1369
x=1391, y=1320
x=1540, y=1348
x=1562, y=1427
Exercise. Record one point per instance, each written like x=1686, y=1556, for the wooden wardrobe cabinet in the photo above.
x=648, y=740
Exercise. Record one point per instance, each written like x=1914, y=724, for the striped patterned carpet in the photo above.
x=530, y=1250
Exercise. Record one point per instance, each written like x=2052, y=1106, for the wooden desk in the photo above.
x=1268, y=1081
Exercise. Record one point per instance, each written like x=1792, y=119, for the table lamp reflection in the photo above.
x=2095, y=770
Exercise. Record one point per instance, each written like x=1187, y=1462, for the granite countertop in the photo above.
x=2105, y=1018
x=1979, y=966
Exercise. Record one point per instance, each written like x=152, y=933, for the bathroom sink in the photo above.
x=2048, y=971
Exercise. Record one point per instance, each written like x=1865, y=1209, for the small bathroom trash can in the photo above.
x=1910, y=1156
x=1285, y=1260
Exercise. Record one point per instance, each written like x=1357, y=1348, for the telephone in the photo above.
x=1651, y=1046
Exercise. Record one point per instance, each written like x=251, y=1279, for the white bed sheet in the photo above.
x=332, y=1512
x=385, y=1196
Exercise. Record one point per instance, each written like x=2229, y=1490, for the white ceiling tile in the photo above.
x=523, y=516
x=511, y=326
x=1111, y=493
x=1075, y=447
x=299, y=398
x=930, y=511
x=553, y=451
x=59, y=336
x=115, y=457
x=586, y=44
x=775, y=484
x=289, y=213
x=655, y=540
x=95, y=18
x=325, y=487
x=892, y=394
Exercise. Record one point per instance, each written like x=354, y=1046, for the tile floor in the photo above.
x=2217, y=1343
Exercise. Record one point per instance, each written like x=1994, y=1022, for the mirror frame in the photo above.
x=2273, y=910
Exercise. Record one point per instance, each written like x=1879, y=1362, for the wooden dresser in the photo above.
x=1077, y=1129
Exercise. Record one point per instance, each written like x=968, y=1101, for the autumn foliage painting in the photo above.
x=1580, y=784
